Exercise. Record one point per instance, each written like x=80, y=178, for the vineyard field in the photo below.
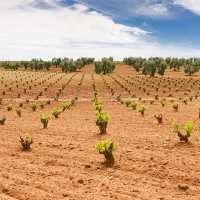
x=150, y=163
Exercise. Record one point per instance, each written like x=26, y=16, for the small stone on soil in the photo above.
x=65, y=195
x=183, y=186
x=165, y=163
x=163, y=185
x=80, y=181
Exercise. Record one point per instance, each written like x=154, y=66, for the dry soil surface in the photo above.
x=150, y=164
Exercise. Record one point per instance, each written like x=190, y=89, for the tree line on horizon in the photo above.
x=148, y=66
x=158, y=64
x=66, y=64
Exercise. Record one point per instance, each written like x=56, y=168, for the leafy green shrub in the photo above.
x=189, y=128
x=102, y=116
x=56, y=112
x=163, y=103
x=159, y=117
x=152, y=101
x=190, y=97
x=33, y=106
x=185, y=99
x=134, y=105
x=102, y=121
x=44, y=119
x=127, y=102
x=106, y=147
x=175, y=126
x=26, y=142
x=18, y=111
x=98, y=104
x=142, y=109
x=66, y=105
x=175, y=106
x=9, y=107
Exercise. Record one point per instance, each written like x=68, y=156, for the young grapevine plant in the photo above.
x=189, y=129
x=26, y=142
x=102, y=121
x=44, y=119
x=106, y=147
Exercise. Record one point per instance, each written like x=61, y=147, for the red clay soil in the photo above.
x=150, y=164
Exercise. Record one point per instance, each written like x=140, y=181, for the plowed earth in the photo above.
x=150, y=164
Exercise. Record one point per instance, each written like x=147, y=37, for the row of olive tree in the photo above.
x=148, y=67
x=106, y=65
x=158, y=64
x=38, y=64
x=191, y=65
x=70, y=65
x=135, y=62
x=10, y=65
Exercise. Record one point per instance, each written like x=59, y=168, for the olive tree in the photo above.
x=37, y=64
x=72, y=66
x=64, y=64
x=182, y=61
x=106, y=65
x=79, y=63
x=191, y=66
x=69, y=65
x=153, y=65
x=135, y=62
x=47, y=65
x=168, y=60
x=25, y=63
x=175, y=63
x=56, y=61
x=6, y=64
x=86, y=61
x=9, y=65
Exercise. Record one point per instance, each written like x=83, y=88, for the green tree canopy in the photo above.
x=153, y=65
x=56, y=61
x=191, y=66
x=135, y=62
x=10, y=65
x=175, y=63
x=106, y=65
